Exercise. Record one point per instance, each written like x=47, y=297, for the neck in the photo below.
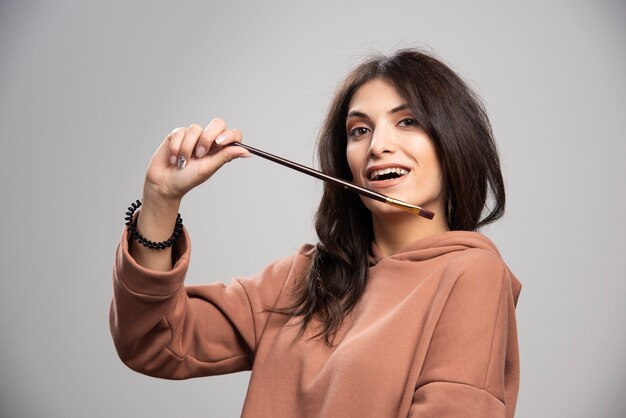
x=396, y=230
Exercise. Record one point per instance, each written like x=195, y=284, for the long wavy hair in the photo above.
x=454, y=118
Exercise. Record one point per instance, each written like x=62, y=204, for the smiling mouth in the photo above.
x=387, y=174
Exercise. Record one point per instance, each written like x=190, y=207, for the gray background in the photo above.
x=89, y=90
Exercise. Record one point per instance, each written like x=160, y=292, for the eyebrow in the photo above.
x=356, y=113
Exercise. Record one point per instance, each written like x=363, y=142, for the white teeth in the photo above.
x=377, y=173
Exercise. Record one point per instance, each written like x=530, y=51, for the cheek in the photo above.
x=435, y=177
x=426, y=151
x=429, y=163
x=353, y=160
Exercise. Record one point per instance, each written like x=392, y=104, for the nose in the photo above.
x=382, y=142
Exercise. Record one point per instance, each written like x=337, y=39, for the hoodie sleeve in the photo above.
x=472, y=365
x=162, y=328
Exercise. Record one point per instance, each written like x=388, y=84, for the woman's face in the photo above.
x=388, y=152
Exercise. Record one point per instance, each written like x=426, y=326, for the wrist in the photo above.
x=153, y=224
x=158, y=202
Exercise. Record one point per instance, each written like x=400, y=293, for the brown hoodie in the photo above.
x=434, y=334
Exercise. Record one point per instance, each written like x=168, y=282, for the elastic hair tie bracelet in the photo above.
x=134, y=233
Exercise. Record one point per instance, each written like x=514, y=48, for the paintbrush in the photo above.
x=339, y=182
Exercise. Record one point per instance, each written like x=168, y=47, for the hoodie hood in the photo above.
x=436, y=245
x=443, y=243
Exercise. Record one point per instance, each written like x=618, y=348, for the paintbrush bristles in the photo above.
x=340, y=182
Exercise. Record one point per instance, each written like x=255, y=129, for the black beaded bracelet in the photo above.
x=132, y=230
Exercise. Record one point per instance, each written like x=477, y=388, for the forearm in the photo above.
x=156, y=324
x=155, y=221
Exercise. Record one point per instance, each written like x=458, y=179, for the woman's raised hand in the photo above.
x=200, y=153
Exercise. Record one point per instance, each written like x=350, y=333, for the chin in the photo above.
x=380, y=209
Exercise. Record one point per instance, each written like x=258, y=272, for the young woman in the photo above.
x=389, y=314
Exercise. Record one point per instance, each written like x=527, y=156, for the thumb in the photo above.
x=210, y=164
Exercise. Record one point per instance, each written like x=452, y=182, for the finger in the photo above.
x=213, y=129
x=176, y=139
x=225, y=139
x=210, y=165
x=229, y=136
x=189, y=143
x=232, y=136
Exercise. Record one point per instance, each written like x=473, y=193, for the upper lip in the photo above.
x=369, y=170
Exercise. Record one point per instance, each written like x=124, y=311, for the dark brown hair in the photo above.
x=454, y=118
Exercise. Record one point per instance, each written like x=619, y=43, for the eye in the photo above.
x=408, y=122
x=358, y=131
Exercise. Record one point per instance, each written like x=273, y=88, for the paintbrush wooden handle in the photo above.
x=339, y=182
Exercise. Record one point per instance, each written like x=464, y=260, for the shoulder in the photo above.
x=478, y=271
x=307, y=250
x=282, y=269
x=476, y=259
x=481, y=275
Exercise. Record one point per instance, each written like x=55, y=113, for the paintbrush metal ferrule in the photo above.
x=416, y=210
x=409, y=207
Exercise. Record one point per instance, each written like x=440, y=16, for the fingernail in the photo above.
x=173, y=159
x=220, y=139
x=246, y=155
x=200, y=151
x=182, y=162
